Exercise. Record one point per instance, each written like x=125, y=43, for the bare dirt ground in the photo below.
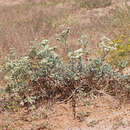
x=103, y=113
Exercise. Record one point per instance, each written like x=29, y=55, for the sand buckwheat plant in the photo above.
x=42, y=74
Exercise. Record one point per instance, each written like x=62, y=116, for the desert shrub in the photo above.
x=90, y=4
x=43, y=75
x=120, y=57
x=117, y=51
x=26, y=75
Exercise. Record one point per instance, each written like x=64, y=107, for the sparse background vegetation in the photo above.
x=70, y=66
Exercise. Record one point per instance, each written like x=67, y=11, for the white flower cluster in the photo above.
x=107, y=44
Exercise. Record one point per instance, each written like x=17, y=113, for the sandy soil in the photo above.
x=103, y=113
x=10, y=2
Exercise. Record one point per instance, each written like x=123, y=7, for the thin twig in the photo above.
x=69, y=96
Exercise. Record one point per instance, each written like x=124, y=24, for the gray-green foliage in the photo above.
x=42, y=74
x=90, y=4
x=23, y=72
